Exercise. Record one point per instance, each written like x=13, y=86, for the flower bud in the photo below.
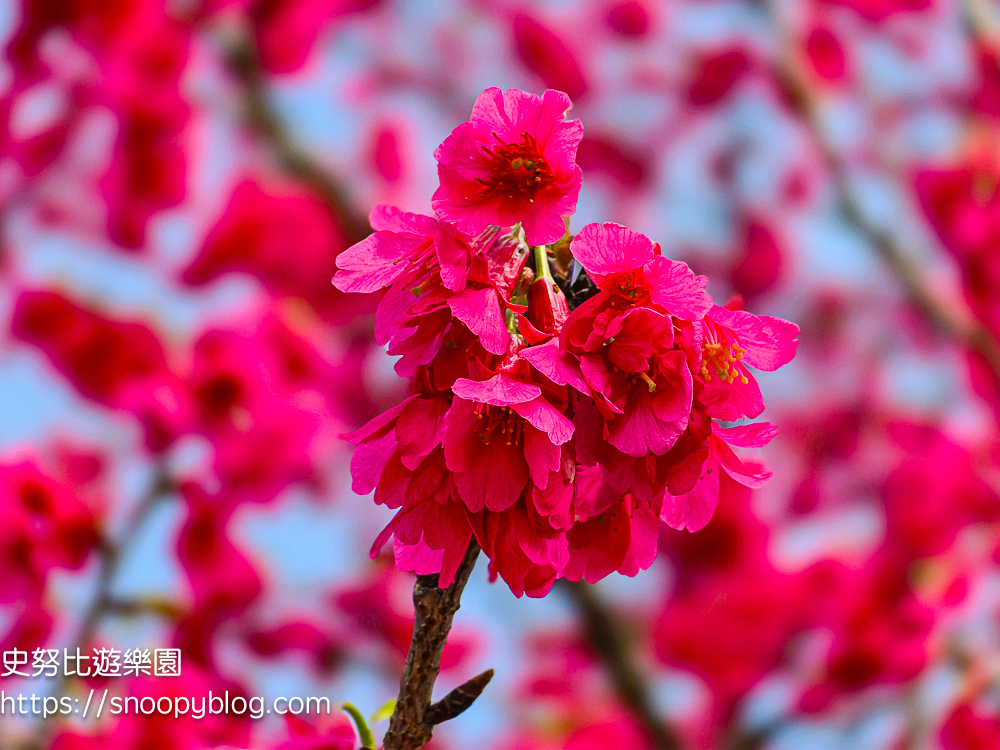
x=498, y=260
x=547, y=306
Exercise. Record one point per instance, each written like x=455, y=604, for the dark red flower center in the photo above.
x=493, y=418
x=630, y=290
x=517, y=170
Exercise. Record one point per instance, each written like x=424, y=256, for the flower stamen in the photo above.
x=509, y=422
x=517, y=169
x=722, y=359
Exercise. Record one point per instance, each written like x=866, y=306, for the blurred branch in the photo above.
x=605, y=636
x=963, y=328
x=983, y=24
x=113, y=552
x=154, y=606
x=103, y=603
x=755, y=738
x=918, y=728
x=244, y=64
x=746, y=741
x=413, y=720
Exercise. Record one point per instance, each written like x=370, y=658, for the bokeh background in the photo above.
x=176, y=179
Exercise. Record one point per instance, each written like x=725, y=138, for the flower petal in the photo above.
x=383, y=217
x=769, y=342
x=605, y=249
x=558, y=366
x=480, y=310
x=752, y=435
x=500, y=390
x=542, y=455
x=374, y=262
x=694, y=509
x=638, y=430
x=543, y=416
x=674, y=287
x=453, y=257
x=736, y=468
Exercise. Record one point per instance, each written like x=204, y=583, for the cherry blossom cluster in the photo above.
x=556, y=435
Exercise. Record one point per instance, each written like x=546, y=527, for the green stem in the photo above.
x=542, y=270
x=364, y=733
x=512, y=323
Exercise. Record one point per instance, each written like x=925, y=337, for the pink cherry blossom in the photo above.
x=432, y=274
x=556, y=438
x=724, y=344
x=513, y=162
x=694, y=508
x=500, y=433
x=623, y=337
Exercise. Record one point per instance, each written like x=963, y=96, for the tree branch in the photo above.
x=981, y=20
x=413, y=720
x=112, y=554
x=103, y=603
x=244, y=65
x=605, y=637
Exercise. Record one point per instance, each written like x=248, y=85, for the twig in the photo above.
x=981, y=20
x=111, y=557
x=103, y=603
x=605, y=637
x=459, y=699
x=963, y=328
x=745, y=741
x=414, y=717
x=244, y=64
x=752, y=739
x=155, y=606
x=112, y=554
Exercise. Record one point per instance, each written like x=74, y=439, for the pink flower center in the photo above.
x=424, y=270
x=508, y=421
x=721, y=357
x=647, y=378
x=518, y=170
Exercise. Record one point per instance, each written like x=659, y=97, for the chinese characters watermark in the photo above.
x=101, y=662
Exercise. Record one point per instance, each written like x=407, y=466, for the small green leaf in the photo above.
x=385, y=712
x=367, y=739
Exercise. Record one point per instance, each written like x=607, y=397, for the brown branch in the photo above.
x=963, y=328
x=606, y=639
x=244, y=64
x=413, y=720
